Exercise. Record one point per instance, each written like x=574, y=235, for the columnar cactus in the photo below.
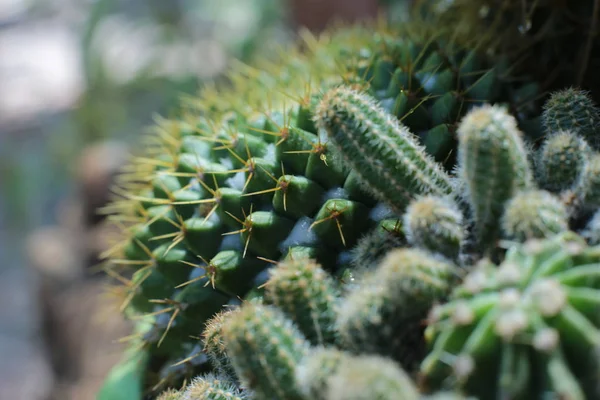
x=307, y=295
x=265, y=349
x=384, y=154
x=493, y=164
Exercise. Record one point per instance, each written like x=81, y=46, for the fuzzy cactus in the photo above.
x=265, y=349
x=214, y=343
x=435, y=224
x=213, y=387
x=493, y=165
x=383, y=315
x=307, y=295
x=524, y=328
x=385, y=155
x=561, y=160
x=534, y=214
x=588, y=186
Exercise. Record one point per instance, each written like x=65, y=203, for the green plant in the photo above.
x=523, y=328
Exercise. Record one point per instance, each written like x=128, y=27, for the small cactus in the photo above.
x=534, y=214
x=435, y=224
x=307, y=295
x=386, y=157
x=588, y=186
x=368, y=377
x=315, y=370
x=493, y=164
x=573, y=110
x=265, y=349
x=373, y=247
x=212, y=387
x=214, y=344
x=383, y=315
x=170, y=394
x=561, y=160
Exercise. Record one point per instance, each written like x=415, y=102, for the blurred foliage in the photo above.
x=138, y=58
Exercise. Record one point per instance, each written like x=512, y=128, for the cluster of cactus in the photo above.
x=331, y=198
x=523, y=327
x=245, y=176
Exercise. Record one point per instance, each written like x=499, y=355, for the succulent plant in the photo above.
x=245, y=177
x=523, y=328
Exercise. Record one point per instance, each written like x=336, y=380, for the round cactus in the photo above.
x=435, y=224
x=524, y=328
x=573, y=110
x=383, y=314
x=534, y=214
x=561, y=160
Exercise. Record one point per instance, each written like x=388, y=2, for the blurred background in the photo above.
x=80, y=80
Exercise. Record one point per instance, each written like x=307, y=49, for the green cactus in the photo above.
x=170, y=394
x=371, y=377
x=265, y=349
x=373, y=246
x=307, y=295
x=534, y=214
x=493, y=165
x=588, y=187
x=316, y=369
x=435, y=224
x=213, y=387
x=386, y=157
x=383, y=315
x=573, y=110
x=522, y=329
x=561, y=160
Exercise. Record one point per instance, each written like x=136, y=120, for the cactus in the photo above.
x=265, y=349
x=386, y=157
x=170, y=394
x=588, y=186
x=591, y=232
x=522, y=329
x=534, y=214
x=371, y=377
x=383, y=315
x=573, y=110
x=212, y=387
x=244, y=177
x=214, y=343
x=307, y=295
x=435, y=224
x=372, y=247
x=493, y=164
x=561, y=160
